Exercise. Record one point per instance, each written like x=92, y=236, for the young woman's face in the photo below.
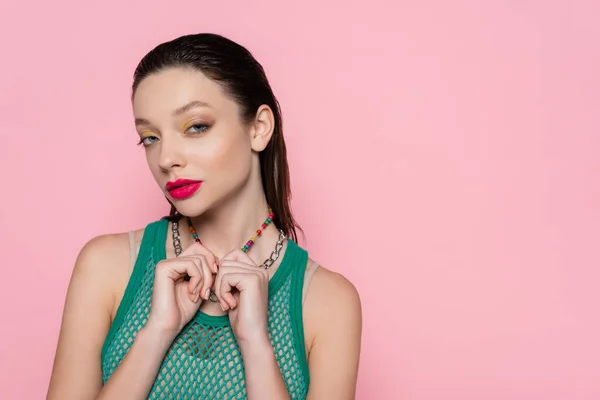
x=192, y=130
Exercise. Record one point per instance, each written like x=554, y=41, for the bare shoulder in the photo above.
x=106, y=252
x=331, y=300
x=105, y=260
x=332, y=289
x=332, y=318
x=103, y=255
x=102, y=248
x=97, y=282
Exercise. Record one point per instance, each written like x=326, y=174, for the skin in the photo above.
x=206, y=141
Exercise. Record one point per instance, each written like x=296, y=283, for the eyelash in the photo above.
x=203, y=128
x=141, y=142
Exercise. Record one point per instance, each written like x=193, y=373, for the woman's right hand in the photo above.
x=174, y=299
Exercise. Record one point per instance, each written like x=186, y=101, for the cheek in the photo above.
x=152, y=161
x=231, y=158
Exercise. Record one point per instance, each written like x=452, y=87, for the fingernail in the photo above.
x=215, y=268
x=207, y=294
x=196, y=297
x=196, y=290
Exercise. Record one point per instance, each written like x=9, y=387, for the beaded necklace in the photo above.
x=249, y=243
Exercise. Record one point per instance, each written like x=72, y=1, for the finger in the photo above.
x=207, y=276
x=224, y=305
x=198, y=249
x=195, y=281
x=229, y=301
x=167, y=272
x=240, y=278
x=228, y=282
x=228, y=265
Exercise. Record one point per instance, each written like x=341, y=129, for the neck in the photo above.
x=231, y=224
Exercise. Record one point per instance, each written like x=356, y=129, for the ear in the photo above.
x=262, y=128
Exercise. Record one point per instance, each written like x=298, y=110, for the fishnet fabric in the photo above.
x=204, y=361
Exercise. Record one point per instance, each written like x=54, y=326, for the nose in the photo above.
x=170, y=155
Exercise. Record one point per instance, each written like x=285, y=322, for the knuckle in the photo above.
x=161, y=265
x=191, y=265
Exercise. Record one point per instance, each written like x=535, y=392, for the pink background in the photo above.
x=443, y=156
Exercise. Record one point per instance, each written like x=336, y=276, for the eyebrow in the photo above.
x=142, y=121
x=189, y=106
x=178, y=111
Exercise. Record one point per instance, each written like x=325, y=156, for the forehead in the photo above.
x=160, y=93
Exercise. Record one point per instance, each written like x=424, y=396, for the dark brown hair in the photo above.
x=243, y=78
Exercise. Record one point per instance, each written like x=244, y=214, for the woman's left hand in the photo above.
x=243, y=288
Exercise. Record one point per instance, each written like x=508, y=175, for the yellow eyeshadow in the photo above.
x=147, y=133
x=188, y=124
x=191, y=122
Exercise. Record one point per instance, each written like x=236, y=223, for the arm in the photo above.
x=134, y=377
x=333, y=308
x=86, y=320
x=248, y=308
x=263, y=376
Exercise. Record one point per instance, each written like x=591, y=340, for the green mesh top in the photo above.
x=204, y=361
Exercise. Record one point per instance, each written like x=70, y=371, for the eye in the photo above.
x=197, y=128
x=147, y=141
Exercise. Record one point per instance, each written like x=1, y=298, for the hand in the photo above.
x=174, y=299
x=243, y=288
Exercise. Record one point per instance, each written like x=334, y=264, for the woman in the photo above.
x=216, y=301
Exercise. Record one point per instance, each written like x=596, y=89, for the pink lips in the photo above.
x=182, y=188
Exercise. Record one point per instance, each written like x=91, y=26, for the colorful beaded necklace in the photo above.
x=249, y=243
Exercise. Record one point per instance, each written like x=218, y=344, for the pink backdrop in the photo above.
x=444, y=158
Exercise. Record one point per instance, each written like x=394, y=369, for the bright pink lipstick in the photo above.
x=182, y=188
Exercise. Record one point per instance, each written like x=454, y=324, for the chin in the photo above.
x=190, y=208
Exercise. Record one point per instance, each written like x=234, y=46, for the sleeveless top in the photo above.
x=204, y=361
